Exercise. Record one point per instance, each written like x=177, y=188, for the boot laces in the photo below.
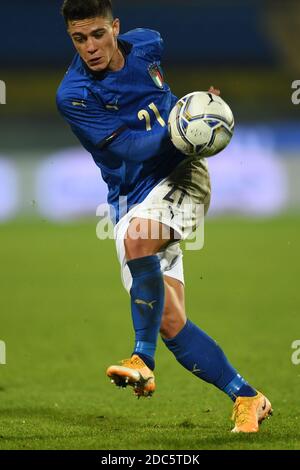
x=132, y=362
x=242, y=413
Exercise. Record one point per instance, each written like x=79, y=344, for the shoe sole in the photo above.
x=126, y=376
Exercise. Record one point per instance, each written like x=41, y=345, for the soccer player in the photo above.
x=117, y=104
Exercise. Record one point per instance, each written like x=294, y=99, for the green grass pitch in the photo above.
x=64, y=317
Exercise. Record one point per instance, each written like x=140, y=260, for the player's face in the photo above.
x=95, y=40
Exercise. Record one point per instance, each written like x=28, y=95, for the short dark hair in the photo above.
x=82, y=9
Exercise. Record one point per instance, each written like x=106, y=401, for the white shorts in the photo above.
x=177, y=202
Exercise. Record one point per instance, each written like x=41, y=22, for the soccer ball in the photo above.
x=201, y=124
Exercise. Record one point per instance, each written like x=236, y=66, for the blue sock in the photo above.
x=238, y=387
x=147, y=303
x=201, y=355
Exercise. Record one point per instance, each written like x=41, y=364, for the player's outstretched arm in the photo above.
x=103, y=132
x=139, y=146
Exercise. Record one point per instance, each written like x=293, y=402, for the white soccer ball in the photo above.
x=201, y=124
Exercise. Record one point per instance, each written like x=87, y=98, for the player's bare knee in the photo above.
x=143, y=238
x=165, y=325
x=137, y=248
x=170, y=328
x=171, y=323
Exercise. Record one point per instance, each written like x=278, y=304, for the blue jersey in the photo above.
x=121, y=118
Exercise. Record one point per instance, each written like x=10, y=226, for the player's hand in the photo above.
x=214, y=91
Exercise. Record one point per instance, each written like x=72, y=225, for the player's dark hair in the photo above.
x=81, y=9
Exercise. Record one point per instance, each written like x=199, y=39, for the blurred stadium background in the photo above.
x=53, y=276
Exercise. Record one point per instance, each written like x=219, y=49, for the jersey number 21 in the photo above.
x=144, y=114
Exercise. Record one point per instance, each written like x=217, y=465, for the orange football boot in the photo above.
x=133, y=372
x=249, y=412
